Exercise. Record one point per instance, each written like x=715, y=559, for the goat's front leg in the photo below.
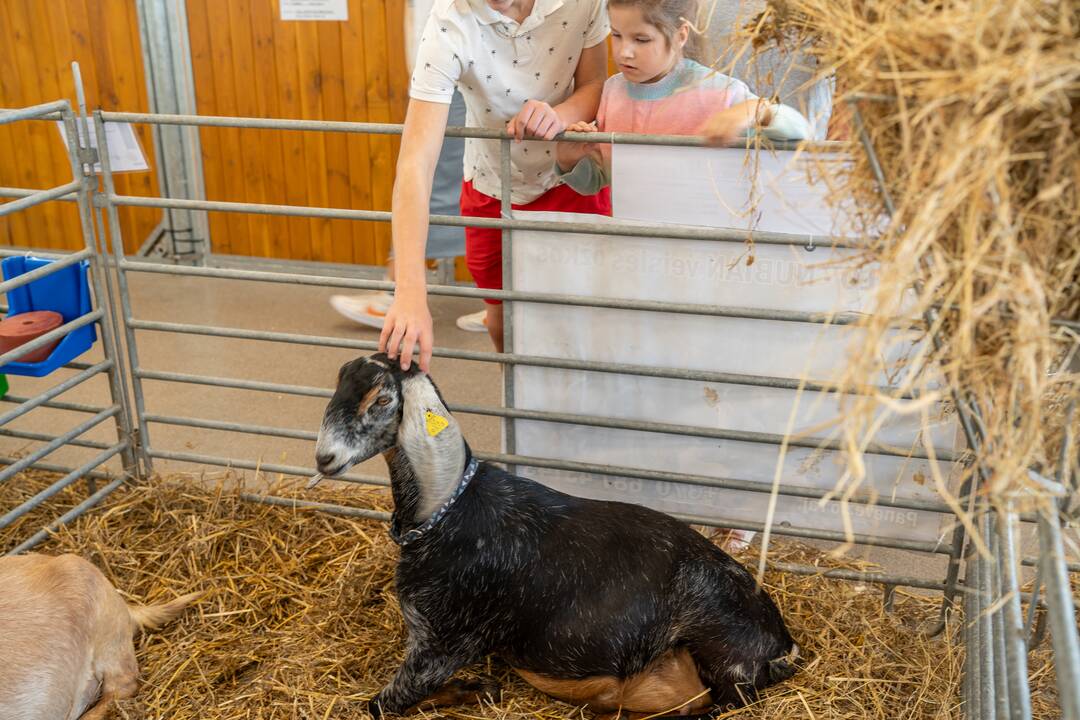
x=421, y=676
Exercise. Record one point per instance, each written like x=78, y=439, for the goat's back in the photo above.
x=58, y=616
x=575, y=587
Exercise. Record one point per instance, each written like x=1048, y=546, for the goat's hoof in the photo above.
x=481, y=688
x=374, y=707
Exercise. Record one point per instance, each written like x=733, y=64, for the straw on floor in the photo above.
x=301, y=619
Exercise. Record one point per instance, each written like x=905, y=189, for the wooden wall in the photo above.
x=38, y=41
x=248, y=62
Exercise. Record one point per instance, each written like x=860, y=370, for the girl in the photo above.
x=660, y=92
x=529, y=66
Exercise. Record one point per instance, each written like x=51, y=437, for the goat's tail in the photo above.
x=152, y=617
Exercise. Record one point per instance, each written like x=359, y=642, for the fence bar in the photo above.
x=42, y=341
x=32, y=112
x=38, y=197
x=59, y=485
x=50, y=467
x=322, y=507
x=42, y=535
x=44, y=437
x=326, y=341
x=1013, y=621
x=997, y=616
x=52, y=392
x=708, y=376
x=116, y=237
x=844, y=318
x=13, y=192
x=79, y=147
x=73, y=407
x=455, y=132
x=973, y=650
x=57, y=442
x=44, y=271
x=1061, y=613
x=793, y=568
x=987, y=671
x=509, y=459
x=292, y=470
x=671, y=232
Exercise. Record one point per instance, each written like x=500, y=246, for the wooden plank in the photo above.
x=16, y=172
x=399, y=73
x=56, y=168
x=311, y=81
x=55, y=17
x=274, y=141
x=134, y=93
x=238, y=241
x=37, y=161
x=335, y=145
x=293, y=145
x=353, y=64
x=210, y=139
x=378, y=103
x=251, y=147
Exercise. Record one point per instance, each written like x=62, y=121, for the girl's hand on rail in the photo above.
x=536, y=119
x=727, y=126
x=407, y=321
x=568, y=154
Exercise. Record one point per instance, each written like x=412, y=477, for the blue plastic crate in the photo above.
x=67, y=292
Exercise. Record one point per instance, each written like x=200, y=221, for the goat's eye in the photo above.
x=382, y=400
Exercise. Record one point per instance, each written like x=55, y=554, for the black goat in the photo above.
x=604, y=604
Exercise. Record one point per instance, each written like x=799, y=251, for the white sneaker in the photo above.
x=473, y=322
x=368, y=309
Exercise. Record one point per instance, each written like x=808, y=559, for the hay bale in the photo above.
x=302, y=620
x=973, y=110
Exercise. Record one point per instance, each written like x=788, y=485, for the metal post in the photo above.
x=997, y=625
x=1012, y=620
x=81, y=158
x=166, y=56
x=117, y=240
x=1061, y=612
x=507, y=212
x=984, y=624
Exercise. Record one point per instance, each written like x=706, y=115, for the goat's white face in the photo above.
x=363, y=417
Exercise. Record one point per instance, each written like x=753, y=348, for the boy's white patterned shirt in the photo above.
x=498, y=65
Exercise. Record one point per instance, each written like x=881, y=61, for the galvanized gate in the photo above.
x=997, y=633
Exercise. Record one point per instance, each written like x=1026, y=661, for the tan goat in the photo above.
x=66, y=638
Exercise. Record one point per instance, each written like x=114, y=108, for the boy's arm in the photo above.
x=539, y=120
x=409, y=319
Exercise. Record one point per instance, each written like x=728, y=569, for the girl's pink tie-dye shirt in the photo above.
x=678, y=104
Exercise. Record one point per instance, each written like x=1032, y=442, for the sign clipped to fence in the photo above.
x=781, y=278
x=314, y=10
x=125, y=153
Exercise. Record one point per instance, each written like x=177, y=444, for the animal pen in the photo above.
x=987, y=581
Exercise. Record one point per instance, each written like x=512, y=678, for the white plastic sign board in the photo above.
x=314, y=10
x=781, y=277
x=767, y=191
x=125, y=153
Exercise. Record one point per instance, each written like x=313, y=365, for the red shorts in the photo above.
x=483, y=246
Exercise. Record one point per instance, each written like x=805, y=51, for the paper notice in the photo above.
x=314, y=10
x=125, y=153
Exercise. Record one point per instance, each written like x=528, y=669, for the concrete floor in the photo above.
x=283, y=308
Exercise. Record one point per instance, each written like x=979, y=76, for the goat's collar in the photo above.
x=410, y=536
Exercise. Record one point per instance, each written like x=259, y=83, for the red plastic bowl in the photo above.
x=16, y=330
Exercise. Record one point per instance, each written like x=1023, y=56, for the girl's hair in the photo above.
x=668, y=16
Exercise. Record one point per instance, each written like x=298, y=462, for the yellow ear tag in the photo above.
x=435, y=423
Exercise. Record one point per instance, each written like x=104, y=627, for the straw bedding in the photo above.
x=973, y=109
x=301, y=620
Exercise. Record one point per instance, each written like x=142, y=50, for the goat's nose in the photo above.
x=324, y=459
